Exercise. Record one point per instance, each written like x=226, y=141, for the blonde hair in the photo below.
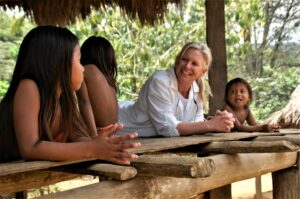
x=203, y=85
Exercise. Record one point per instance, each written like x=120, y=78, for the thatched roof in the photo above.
x=62, y=12
x=288, y=117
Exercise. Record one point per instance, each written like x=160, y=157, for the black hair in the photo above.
x=45, y=57
x=99, y=51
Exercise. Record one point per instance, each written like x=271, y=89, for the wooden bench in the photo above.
x=161, y=173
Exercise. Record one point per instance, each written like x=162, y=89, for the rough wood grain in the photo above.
x=113, y=171
x=231, y=147
x=150, y=145
x=286, y=183
x=295, y=139
x=32, y=179
x=173, y=165
x=21, y=166
x=229, y=169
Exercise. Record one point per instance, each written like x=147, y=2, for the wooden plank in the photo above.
x=173, y=165
x=289, y=131
x=32, y=179
x=21, y=166
x=295, y=139
x=286, y=183
x=231, y=147
x=229, y=169
x=113, y=171
x=150, y=145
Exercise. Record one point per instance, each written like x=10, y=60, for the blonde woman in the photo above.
x=171, y=101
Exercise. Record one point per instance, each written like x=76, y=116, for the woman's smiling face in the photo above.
x=190, y=66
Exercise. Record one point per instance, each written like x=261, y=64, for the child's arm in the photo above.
x=26, y=108
x=251, y=127
x=261, y=128
x=86, y=110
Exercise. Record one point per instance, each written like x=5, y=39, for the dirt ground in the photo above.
x=246, y=189
x=240, y=190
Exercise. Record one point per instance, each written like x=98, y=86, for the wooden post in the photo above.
x=221, y=192
x=286, y=183
x=215, y=36
x=258, y=193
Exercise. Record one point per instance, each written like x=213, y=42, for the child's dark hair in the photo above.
x=45, y=57
x=236, y=81
x=99, y=51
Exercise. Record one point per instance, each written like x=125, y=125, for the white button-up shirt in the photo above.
x=160, y=107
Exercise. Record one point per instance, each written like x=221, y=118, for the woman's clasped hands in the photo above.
x=223, y=121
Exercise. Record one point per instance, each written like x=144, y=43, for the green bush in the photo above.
x=272, y=91
x=3, y=88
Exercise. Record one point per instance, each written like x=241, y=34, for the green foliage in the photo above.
x=3, y=88
x=12, y=31
x=272, y=92
x=142, y=50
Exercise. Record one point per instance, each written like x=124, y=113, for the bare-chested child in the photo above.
x=238, y=96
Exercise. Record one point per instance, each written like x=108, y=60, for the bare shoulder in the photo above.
x=92, y=71
x=28, y=85
x=27, y=93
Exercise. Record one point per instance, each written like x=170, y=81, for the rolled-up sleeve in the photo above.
x=161, y=101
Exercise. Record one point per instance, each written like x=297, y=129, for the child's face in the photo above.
x=77, y=69
x=238, y=95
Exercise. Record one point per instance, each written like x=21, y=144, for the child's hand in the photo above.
x=110, y=147
x=270, y=127
x=109, y=130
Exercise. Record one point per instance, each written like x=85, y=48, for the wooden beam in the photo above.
x=116, y=172
x=173, y=165
x=286, y=183
x=295, y=139
x=32, y=179
x=215, y=36
x=229, y=169
x=231, y=147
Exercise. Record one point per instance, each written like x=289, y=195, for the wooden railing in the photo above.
x=180, y=167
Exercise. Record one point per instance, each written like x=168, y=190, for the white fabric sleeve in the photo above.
x=161, y=100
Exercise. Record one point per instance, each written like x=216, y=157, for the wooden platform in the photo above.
x=164, y=164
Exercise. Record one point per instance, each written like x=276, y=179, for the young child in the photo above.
x=238, y=96
x=99, y=61
x=39, y=118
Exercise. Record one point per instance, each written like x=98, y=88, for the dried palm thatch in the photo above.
x=288, y=117
x=62, y=12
